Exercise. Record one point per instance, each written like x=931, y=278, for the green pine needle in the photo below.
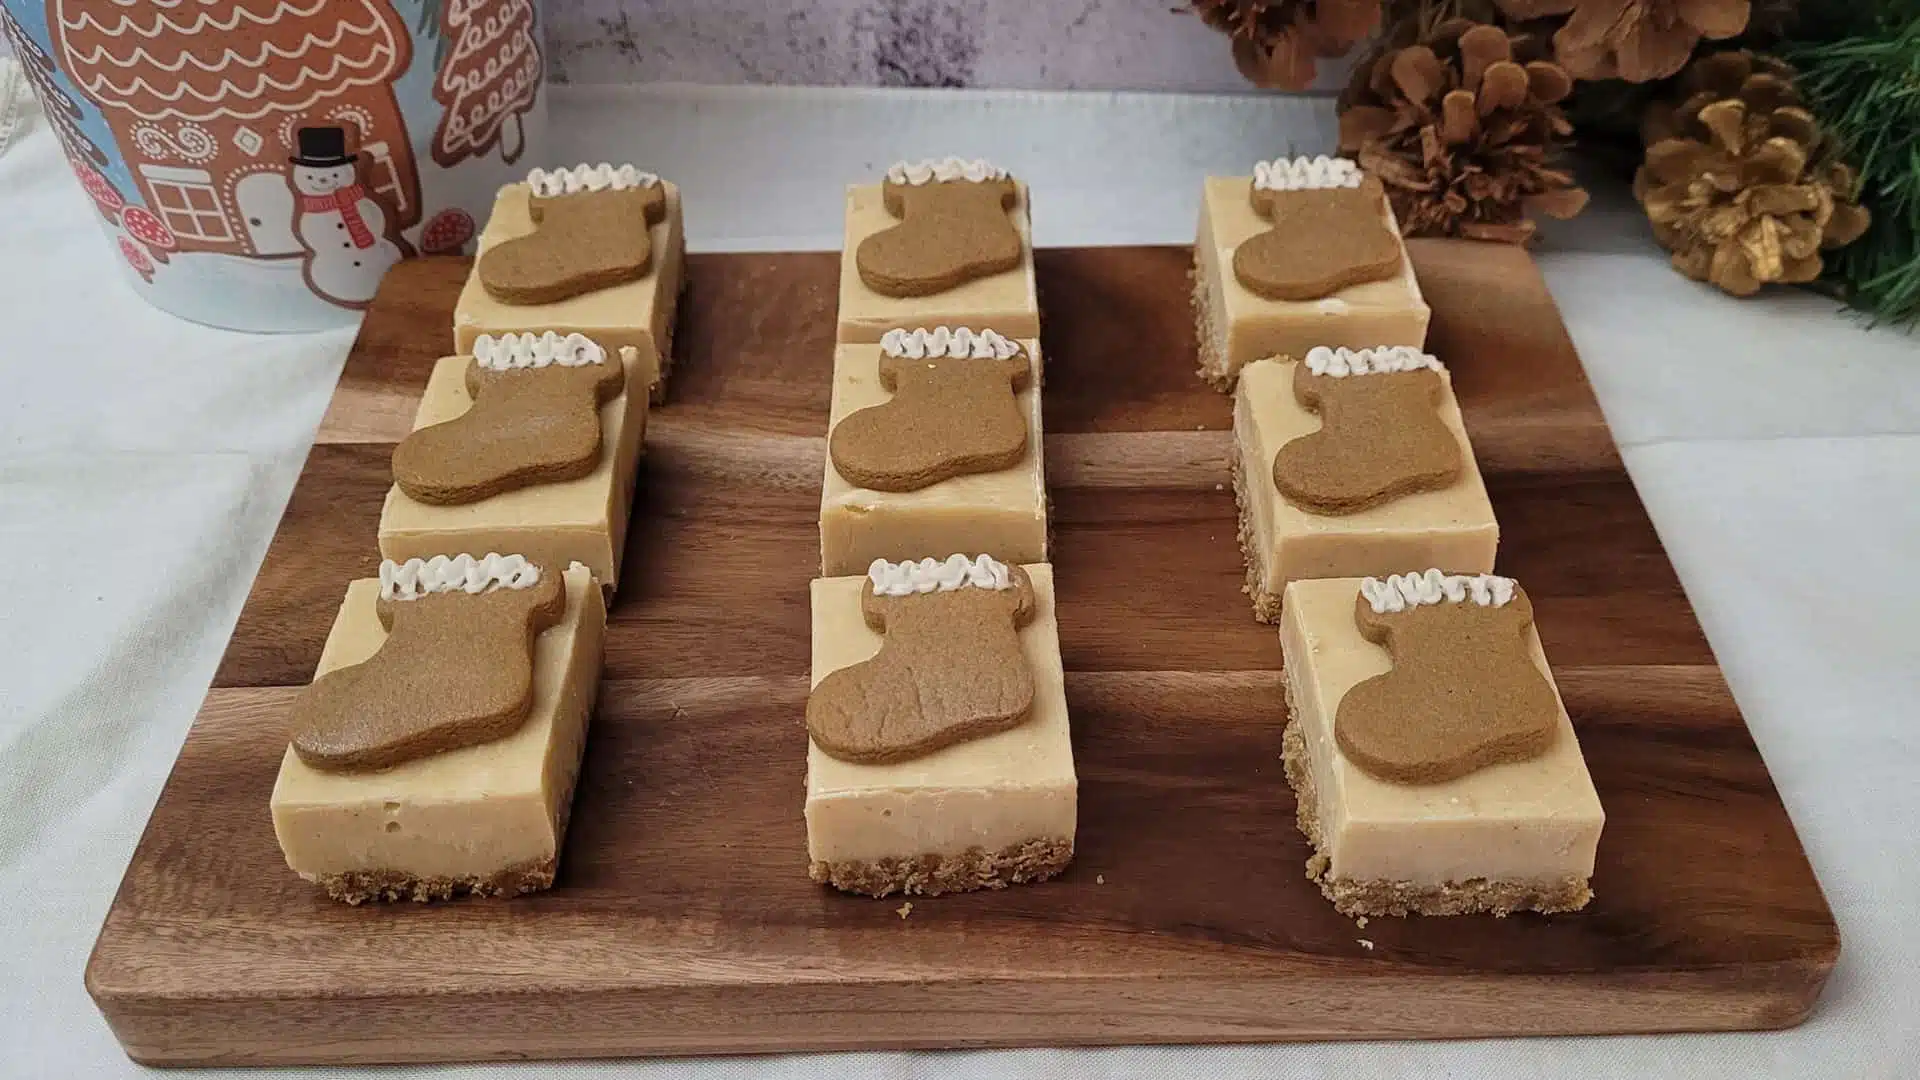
x=1865, y=91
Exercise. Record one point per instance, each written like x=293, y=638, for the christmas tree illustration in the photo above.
x=63, y=113
x=488, y=74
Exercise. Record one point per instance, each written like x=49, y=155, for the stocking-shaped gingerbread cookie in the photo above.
x=951, y=668
x=953, y=228
x=590, y=232
x=535, y=420
x=455, y=670
x=953, y=411
x=1380, y=437
x=1464, y=692
x=1329, y=230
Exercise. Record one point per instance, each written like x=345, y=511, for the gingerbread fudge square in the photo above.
x=602, y=299
x=579, y=519
x=1442, y=519
x=938, y=243
x=945, y=427
x=986, y=806
x=1323, y=265
x=1436, y=769
x=487, y=818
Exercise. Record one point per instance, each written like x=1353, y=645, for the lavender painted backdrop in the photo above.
x=1026, y=44
x=1002, y=44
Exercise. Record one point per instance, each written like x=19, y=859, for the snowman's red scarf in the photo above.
x=343, y=202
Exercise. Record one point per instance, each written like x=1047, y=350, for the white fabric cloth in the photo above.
x=143, y=468
x=13, y=100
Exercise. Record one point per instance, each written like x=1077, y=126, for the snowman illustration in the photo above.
x=340, y=224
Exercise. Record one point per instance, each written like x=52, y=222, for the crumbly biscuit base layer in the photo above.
x=1266, y=605
x=1399, y=898
x=932, y=875
x=663, y=346
x=1213, y=359
x=362, y=886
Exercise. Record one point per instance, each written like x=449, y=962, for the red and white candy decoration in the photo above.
x=145, y=226
x=99, y=189
x=447, y=232
x=136, y=257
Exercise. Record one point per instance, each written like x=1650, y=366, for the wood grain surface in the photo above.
x=683, y=921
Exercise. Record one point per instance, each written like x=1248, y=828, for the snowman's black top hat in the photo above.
x=323, y=148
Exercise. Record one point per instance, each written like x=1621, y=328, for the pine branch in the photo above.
x=1865, y=90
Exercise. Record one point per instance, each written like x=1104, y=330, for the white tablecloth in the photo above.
x=144, y=463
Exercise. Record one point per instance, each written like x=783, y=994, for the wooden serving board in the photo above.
x=684, y=922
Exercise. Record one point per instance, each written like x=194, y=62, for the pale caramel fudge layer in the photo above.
x=1005, y=302
x=1509, y=837
x=981, y=813
x=638, y=313
x=1452, y=528
x=1002, y=514
x=581, y=520
x=487, y=818
x=1237, y=326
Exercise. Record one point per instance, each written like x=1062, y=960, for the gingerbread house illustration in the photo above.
x=205, y=97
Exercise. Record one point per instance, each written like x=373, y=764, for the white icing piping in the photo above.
x=940, y=169
x=1402, y=591
x=509, y=351
x=929, y=575
x=548, y=183
x=1305, y=174
x=940, y=342
x=416, y=578
x=1342, y=362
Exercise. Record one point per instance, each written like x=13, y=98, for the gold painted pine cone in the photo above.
x=1763, y=82
x=1739, y=181
x=1465, y=136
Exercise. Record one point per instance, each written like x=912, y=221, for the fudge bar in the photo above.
x=938, y=243
x=443, y=499
x=594, y=250
x=1377, y=469
x=1305, y=252
x=938, y=757
x=1435, y=767
x=941, y=431
x=435, y=753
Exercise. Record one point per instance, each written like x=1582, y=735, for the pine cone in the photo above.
x=1740, y=183
x=1635, y=40
x=1463, y=135
x=1276, y=42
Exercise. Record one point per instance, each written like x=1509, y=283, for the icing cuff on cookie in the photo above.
x=547, y=183
x=1402, y=591
x=1305, y=174
x=939, y=342
x=416, y=578
x=1342, y=362
x=932, y=170
x=510, y=351
x=932, y=575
